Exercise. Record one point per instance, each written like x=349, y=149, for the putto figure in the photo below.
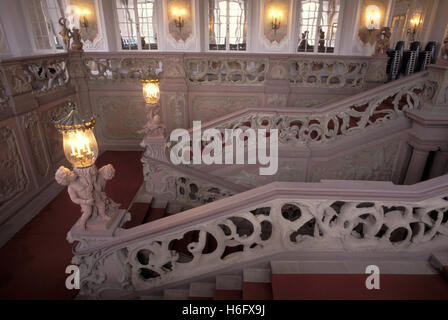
x=86, y=188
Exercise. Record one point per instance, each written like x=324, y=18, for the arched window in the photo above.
x=227, y=25
x=137, y=24
x=318, y=25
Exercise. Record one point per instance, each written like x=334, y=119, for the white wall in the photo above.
x=437, y=32
x=14, y=28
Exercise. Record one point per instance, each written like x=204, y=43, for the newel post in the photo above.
x=79, y=79
x=277, y=88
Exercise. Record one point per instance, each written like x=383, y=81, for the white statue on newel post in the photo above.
x=101, y=219
x=85, y=183
x=86, y=188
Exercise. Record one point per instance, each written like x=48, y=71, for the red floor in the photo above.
x=33, y=262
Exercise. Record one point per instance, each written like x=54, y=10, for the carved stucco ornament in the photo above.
x=4, y=98
x=13, y=180
x=32, y=129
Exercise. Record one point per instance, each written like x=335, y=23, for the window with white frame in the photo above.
x=137, y=24
x=43, y=20
x=227, y=25
x=318, y=25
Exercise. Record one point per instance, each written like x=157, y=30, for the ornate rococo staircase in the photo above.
x=374, y=135
x=337, y=120
x=339, y=220
x=178, y=255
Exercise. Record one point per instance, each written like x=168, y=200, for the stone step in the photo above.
x=257, y=291
x=151, y=298
x=229, y=287
x=228, y=295
x=155, y=214
x=202, y=290
x=305, y=280
x=138, y=211
x=229, y=282
x=175, y=294
x=257, y=275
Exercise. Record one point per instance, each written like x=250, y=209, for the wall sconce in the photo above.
x=276, y=19
x=413, y=25
x=179, y=20
x=79, y=143
x=373, y=16
x=82, y=14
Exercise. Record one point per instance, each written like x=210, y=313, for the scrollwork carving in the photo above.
x=30, y=124
x=324, y=128
x=4, y=98
x=226, y=71
x=327, y=73
x=319, y=224
x=13, y=179
x=116, y=69
x=47, y=74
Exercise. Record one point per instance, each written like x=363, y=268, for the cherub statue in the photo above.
x=383, y=41
x=102, y=201
x=154, y=126
x=86, y=188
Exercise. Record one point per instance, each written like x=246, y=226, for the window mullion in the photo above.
x=319, y=18
x=137, y=25
x=47, y=24
x=43, y=8
x=228, y=25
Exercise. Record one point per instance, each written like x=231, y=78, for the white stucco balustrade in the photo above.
x=336, y=216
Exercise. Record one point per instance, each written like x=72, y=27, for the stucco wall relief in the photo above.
x=13, y=179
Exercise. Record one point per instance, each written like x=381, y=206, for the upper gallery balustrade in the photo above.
x=240, y=69
x=42, y=74
x=37, y=74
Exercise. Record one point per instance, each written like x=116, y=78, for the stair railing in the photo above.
x=336, y=120
x=255, y=225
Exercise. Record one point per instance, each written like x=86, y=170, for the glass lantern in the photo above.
x=151, y=91
x=79, y=143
